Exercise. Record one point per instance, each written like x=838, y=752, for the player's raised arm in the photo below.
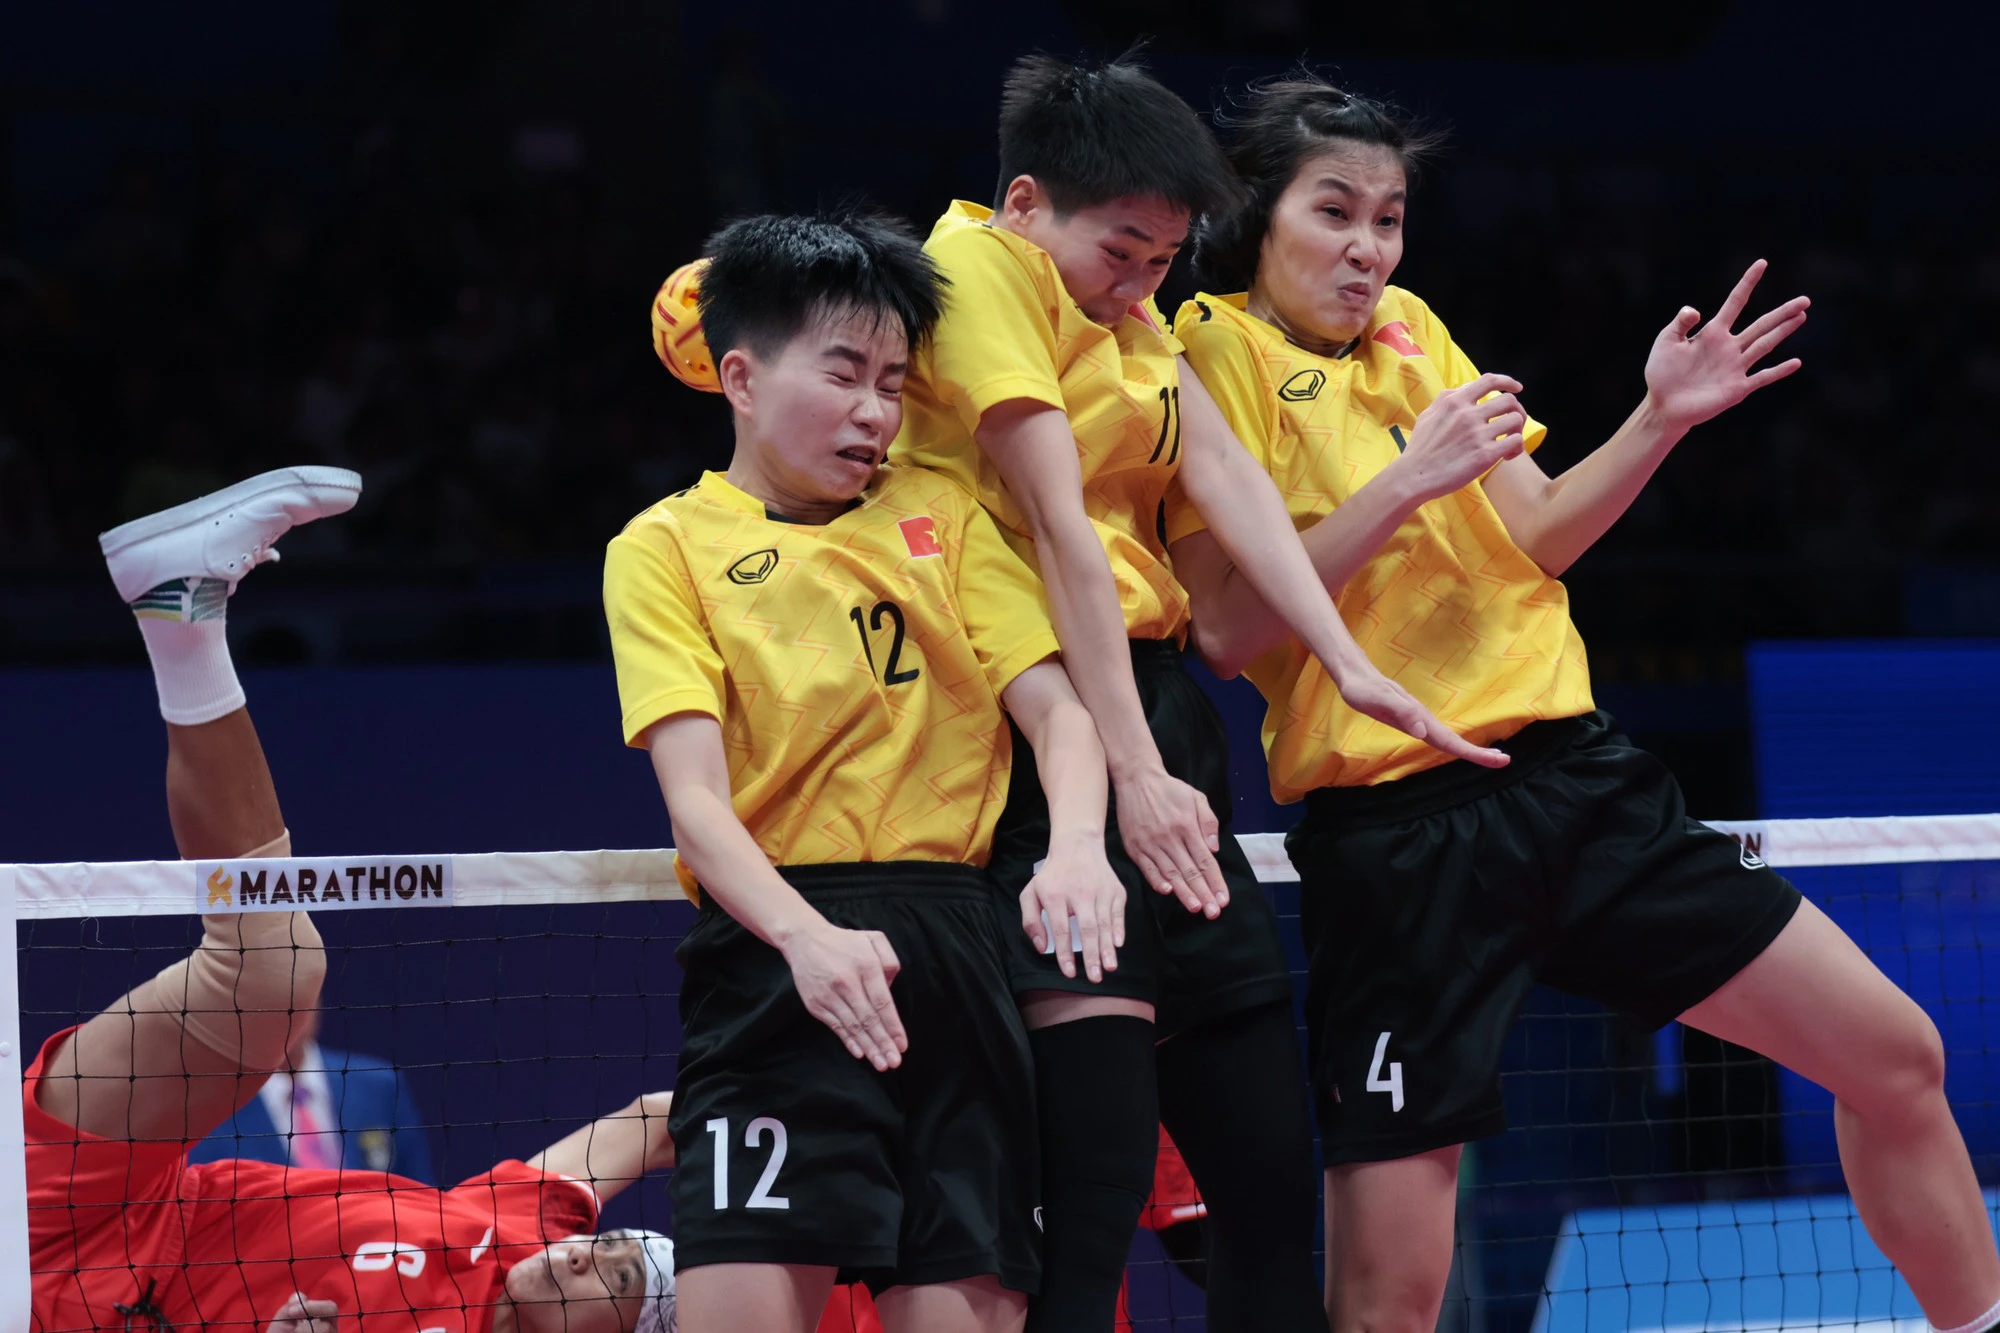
x=1166, y=824
x=1247, y=518
x=1692, y=375
x=614, y=1151
x=842, y=975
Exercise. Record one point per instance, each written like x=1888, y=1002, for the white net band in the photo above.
x=492, y=879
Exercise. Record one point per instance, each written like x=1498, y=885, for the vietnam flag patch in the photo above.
x=920, y=536
x=1396, y=334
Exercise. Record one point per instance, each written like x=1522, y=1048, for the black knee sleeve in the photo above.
x=1099, y=1102
x=1233, y=1095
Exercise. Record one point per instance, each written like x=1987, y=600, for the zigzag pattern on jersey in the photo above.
x=1450, y=608
x=827, y=762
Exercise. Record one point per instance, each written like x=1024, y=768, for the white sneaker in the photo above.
x=226, y=534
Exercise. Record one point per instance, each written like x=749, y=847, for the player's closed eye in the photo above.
x=1118, y=255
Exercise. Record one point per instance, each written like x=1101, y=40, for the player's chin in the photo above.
x=848, y=473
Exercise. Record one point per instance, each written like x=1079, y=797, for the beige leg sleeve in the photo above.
x=245, y=992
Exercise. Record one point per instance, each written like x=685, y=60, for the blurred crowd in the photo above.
x=478, y=348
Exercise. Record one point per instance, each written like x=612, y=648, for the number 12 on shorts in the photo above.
x=753, y=1137
x=1392, y=1084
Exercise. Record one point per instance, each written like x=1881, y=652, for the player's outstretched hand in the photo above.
x=300, y=1315
x=1172, y=836
x=1459, y=438
x=1693, y=375
x=1368, y=692
x=1076, y=881
x=843, y=976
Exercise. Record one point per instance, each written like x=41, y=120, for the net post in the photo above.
x=15, y=1284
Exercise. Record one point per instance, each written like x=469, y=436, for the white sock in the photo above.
x=182, y=623
x=1979, y=1325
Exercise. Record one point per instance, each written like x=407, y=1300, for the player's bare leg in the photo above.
x=1814, y=1003
x=178, y=1054
x=975, y=1305
x=753, y=1298
x=1389, y=1242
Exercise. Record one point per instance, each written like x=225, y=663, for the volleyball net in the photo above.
x=478, y=1007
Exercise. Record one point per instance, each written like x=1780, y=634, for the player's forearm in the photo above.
x=1573, y=510
x=1248, y=519
x=1068, y=756
x=733, y=869
x=614, y=1150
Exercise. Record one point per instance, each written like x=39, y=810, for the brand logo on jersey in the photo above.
x=1303, y=387
x=754, y=568
x=219, y=885
x=920, y=535
x=1396, y=334
x=1038, y=1219
x=1750, y=859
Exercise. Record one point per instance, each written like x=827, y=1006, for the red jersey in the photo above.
x=224, y=1245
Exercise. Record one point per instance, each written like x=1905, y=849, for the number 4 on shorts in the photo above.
x=1393, y=1084
x=753, y=1137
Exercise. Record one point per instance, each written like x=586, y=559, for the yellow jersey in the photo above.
x=856, y=667
x=1451, y=608
x=1010, y=331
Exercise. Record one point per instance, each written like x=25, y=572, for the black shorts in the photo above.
x=927, y=1173
x=1188, y=967
x=1431, y=905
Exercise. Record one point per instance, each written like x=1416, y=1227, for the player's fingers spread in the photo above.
x=1772, y=318
x=1762, y=347
x=1739, y=295
x=1775, y=373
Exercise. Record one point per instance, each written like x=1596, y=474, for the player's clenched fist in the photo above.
x=843, y=976
x=1465, y=433
x=1076, y=881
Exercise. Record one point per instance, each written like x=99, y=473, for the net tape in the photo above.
x=485, y=879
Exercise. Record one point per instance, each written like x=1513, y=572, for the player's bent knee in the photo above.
x=1918, y=1068
x=247, y=991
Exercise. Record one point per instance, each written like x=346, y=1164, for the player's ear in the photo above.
x=1022, y=200
x=737, y=372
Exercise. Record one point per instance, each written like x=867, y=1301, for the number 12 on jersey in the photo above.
x=753, y=1137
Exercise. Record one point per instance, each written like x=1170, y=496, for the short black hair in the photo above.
x=771, y=276
x=1278, y=125
x=1089, y=135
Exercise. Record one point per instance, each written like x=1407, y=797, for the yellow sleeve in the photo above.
x=996, y=341
x=666, y=662
x=1001, y=600
x=1457, y=367
x=1228, y=370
